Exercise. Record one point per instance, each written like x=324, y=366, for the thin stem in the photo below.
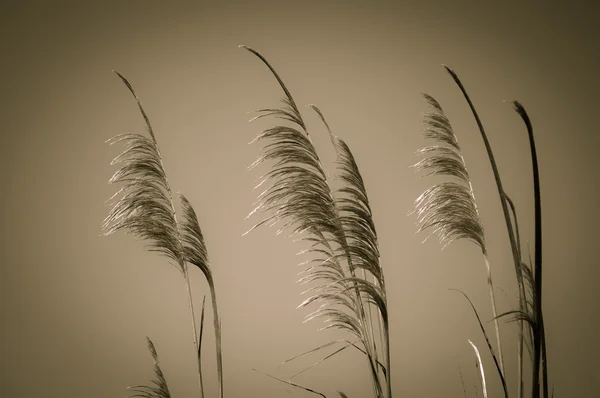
x=481, y=371
x=498, y=183
x=504, y=387
x=488, y=269
x=494, y=312
x=544, y=363
x=388, y=359
x=520, y=366
x=522, y=305
x=348, y=344
x=539, y=335
x=292, y=384
x=217, y=327
x=200, y=347
x=369, y=316
x=193, y=316
x=462, y=381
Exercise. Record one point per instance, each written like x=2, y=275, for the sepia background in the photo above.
x=76, y=306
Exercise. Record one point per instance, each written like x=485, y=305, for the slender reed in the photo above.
x=502, y=194
x=539, y=334
x=339, y=228
x=450, y=208
x=146, y=210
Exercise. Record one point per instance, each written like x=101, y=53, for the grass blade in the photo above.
x=522, y=302
x=481, y=371
x=539, y=335
x=292, y=384
x=487, y=340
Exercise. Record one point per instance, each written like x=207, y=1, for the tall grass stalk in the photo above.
x=146, y=209
x=338, y=225
x=449, y=209
x=535, y=320
x=539, y=332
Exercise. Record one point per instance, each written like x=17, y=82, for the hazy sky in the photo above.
x=76, y=306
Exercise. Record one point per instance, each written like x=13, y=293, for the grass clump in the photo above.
x=346, y=278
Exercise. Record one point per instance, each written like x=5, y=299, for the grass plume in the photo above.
x=159, y=389
x=449, y=208
x=338, y=225
x=146, y=209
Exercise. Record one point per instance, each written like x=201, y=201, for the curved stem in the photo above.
x=522, y=304
x=494, y=312
x=481, y=371
x=498, y=184
x=502, y=380
x=539, y=335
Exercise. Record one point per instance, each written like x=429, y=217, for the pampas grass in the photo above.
x=338, y=226
x=145, y=208
x=347, y=287
x=449, y=209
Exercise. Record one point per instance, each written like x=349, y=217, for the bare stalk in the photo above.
x=217, y=327
x=191, y=306
x=493, y=300
x=501, y=192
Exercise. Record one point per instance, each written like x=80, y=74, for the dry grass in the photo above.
x=347, y=285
